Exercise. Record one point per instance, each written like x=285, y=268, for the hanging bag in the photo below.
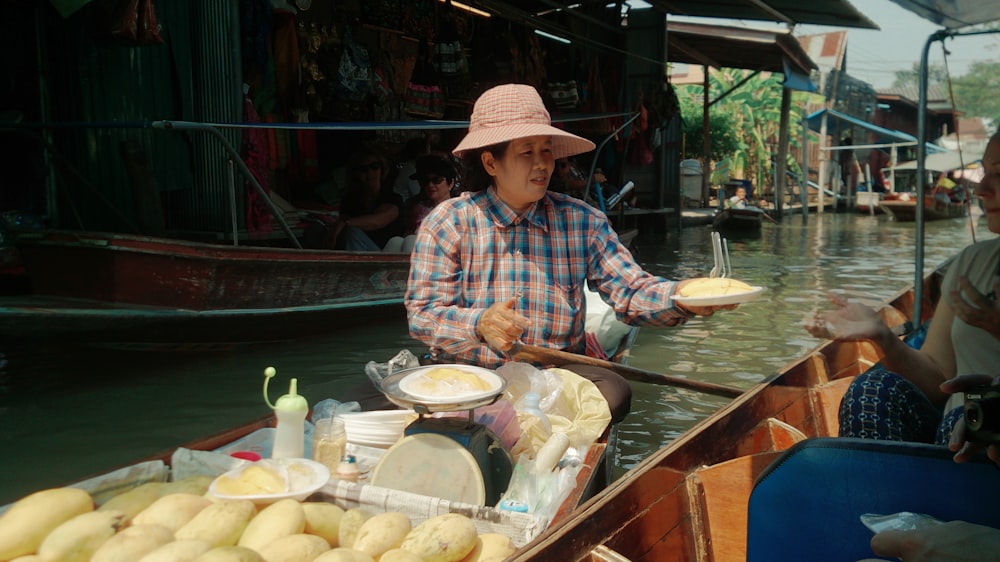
x=354, y=72
x=424, y=97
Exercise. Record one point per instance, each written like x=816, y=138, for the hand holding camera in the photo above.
x=979, y=428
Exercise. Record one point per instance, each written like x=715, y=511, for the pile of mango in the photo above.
x=180, y=522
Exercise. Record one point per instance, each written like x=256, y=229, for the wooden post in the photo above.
x=782, y=167
x=706, y=142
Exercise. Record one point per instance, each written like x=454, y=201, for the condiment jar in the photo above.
x=290, y=411
x=329, y=442
x=348, y=469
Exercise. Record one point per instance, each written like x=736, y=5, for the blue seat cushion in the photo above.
x=807, y=504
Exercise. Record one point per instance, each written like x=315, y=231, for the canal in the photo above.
x=67, y=413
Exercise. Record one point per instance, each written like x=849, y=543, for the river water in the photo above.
x=67, y=413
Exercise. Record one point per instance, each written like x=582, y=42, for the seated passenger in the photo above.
x=370, y=212
x=738, y=201
x=436, y=176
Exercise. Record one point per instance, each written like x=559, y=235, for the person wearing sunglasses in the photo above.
x=436, y=175
x=370, y=212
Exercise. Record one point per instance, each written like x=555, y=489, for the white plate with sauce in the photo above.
x=720, y=300
x=432, y=384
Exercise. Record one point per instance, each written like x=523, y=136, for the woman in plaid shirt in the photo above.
x=508, y=261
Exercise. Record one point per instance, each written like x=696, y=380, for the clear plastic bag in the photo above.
x=405, y=359
x=902, y=521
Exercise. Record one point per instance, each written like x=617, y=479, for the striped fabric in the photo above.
x=473, y=251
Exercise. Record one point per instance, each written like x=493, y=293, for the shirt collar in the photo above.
x=503, y=215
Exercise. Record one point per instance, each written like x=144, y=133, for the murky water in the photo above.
x=67, y=413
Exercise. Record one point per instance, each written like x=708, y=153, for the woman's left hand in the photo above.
x=976, y=309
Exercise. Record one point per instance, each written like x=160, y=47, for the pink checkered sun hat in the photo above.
x=514, y=111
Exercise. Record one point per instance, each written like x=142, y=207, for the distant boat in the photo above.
x=904, y=209
x=745, y=218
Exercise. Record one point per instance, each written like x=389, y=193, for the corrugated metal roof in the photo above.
x=735, y=47
x=835, y=13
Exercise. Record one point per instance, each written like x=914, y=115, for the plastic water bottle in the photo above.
x=290, y=411
x=532, y=405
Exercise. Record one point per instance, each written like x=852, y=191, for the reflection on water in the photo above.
x=66, y=413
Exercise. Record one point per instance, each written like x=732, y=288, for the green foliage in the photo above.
x=975, y=92
x=935, y=75
x=743, y=126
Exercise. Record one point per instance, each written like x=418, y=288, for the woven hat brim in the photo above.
x=563, y=143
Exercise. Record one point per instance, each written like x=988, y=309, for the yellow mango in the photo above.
x=76, y=540
x=220, y=524
x=135, y=500
x=280, y=519
x=341, y=554
x=177, y=551
x=132, y=543
x=381, y=533
x=31, y=518
x=294, y=548
x=173, y=511
x=350, y=524
x=323, y=520
x=445, y=538
x=230, y=554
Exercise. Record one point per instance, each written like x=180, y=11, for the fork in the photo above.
x=720, y=253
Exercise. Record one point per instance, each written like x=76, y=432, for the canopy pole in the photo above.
x=782, y=167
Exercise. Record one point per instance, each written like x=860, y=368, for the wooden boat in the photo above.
x=747, y=218
x=905, y=210
x=119, y=287
x=688, y=501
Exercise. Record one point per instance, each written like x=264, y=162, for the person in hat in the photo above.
x=508, y=261
x=436, y=176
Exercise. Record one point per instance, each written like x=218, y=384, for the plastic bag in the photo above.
x=572, y=403
x=902, y=521
x=405, y=359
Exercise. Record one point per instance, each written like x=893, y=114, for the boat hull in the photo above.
x=688, y=501
x=934, y=209
x=738, y=219
x=155, y=289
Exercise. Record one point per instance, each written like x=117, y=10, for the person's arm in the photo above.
x=975, y=308
x=927, y=367
x=382, y=216
x=434, y=302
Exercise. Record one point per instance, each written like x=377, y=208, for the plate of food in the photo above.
x=269, y=480
x=451, y=384
x=716, y=291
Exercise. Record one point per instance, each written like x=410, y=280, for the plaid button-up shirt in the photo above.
x=473, y=251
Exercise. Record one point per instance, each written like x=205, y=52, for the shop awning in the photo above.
x=837, y=123
x=941, y=162
x=737, y=47
x=953, y=14
x=835, y=13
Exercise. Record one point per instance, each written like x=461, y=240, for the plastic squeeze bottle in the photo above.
x=290, y=411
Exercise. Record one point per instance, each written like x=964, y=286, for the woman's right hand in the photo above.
x=500, y=325
x=847, y=321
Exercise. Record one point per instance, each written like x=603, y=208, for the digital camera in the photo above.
x=982, y=414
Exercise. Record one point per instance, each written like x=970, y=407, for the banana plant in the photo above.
x=745, y=123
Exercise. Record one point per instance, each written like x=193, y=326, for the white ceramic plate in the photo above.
x=418, y=385
x=720, y=300
x=303, y=477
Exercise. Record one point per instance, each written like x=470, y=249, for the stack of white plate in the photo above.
x=378, y=428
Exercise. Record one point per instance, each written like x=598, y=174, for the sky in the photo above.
x=874, y=56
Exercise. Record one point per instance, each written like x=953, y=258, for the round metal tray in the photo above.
x=390, y=387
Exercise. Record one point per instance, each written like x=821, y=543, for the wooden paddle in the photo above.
x=557, y=357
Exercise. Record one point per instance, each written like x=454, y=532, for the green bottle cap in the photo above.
x=291, y=402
